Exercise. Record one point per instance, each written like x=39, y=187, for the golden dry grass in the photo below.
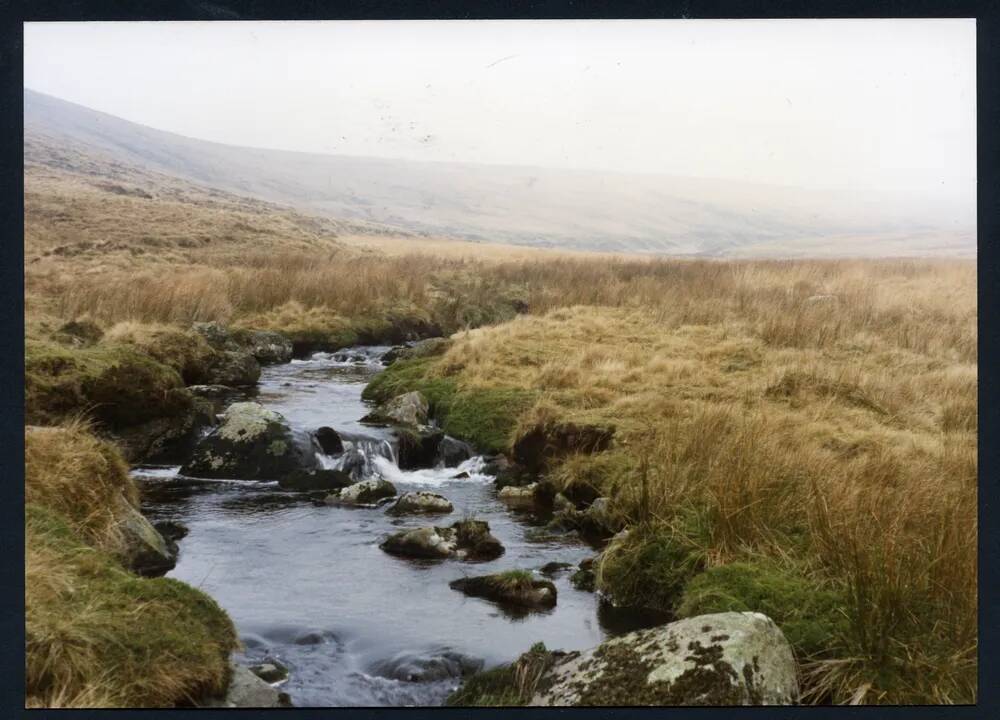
x=70, y=471
x=821, y=414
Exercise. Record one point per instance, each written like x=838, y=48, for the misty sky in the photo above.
x=886, y=104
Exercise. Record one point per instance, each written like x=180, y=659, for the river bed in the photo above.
x=307, y=584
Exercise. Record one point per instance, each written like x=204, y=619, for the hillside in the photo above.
x=529, y=206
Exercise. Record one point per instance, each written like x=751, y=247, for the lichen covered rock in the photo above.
x=722, y=659
x=251, y=443
x=420, y=502
x=366, y=492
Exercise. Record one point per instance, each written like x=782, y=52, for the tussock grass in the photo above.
x=97, y=635
x=845, y=453
x=71, y=472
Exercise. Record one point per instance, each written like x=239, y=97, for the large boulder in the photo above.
x=722, y=659
x=234, y=363
x=465, y=540
x=538, y=446
x=236, y=368
x=251, y=443
x=421, y=543
x=366, y=492
x=421, y=502
x=146, y=551
x=515, y=588
x=598, y=521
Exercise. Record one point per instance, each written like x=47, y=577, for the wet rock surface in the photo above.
x=427, y=667
x=319, y=479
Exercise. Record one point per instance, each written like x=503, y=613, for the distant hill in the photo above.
x=529, y=206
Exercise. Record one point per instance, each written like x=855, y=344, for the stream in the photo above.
x=307, y=584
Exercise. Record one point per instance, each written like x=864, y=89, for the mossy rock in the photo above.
x=251, y=443
x=808, y=611
x=163, y=643
x=515, y=588
x=117, y=384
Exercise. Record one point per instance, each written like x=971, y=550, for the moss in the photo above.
x=185, y=351
x=804, y=608
x=624, y=680
x=118, y=384
x=411, y=374
x=649, y=567
x=486, y=418
x=90, y=624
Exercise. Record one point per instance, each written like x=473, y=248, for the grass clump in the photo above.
x=808, y=611
x=505, y=685
x=98, y=635
x=118, y=384
x=70, y=471
x=647, y=567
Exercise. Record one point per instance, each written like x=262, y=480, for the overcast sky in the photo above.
x=886, y=104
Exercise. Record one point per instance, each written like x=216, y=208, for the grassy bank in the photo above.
x=798, y=439
x=97, y=635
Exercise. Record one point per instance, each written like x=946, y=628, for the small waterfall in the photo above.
x=363, y=457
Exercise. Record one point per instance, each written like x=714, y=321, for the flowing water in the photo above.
x=307, y=584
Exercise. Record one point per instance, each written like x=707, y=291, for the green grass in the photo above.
x=486, y=418
x=94, y=630
x=808, y=611
x=648, y=568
